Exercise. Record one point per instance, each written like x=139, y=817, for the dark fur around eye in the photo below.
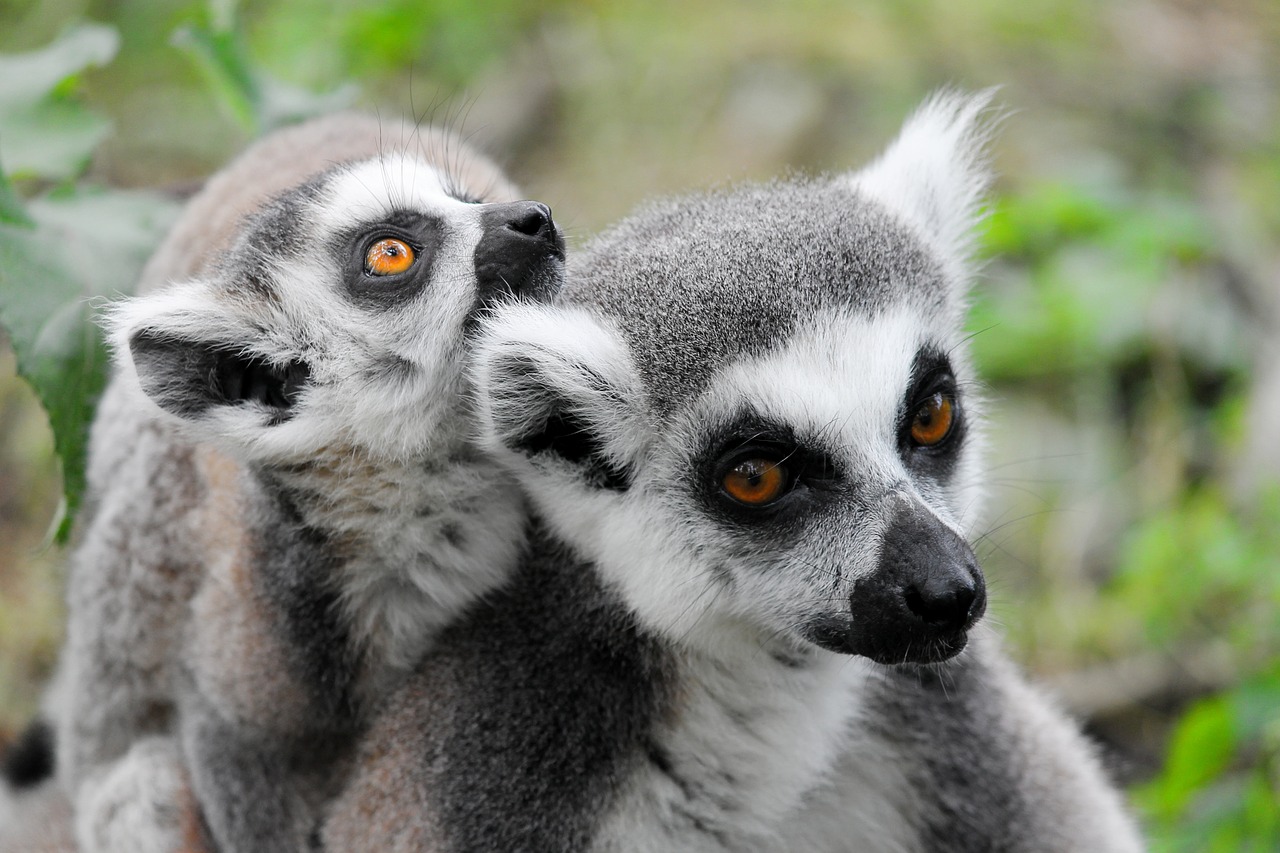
x=931, y=375
x=424, y=234
x=808, y=470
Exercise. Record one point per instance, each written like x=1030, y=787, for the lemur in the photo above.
x=749, y=615
x=287, y=503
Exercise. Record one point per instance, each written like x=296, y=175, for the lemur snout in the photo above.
x=521, y=251
x=530, y=217
x=926, y=593
x=945, y=601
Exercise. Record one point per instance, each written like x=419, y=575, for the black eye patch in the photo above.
x=931, y=425
x=762, y=475
x=421, y=234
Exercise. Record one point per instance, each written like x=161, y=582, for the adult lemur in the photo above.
x=750, y=436
x=274, y=538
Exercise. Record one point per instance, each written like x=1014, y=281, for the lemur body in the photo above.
x=275, y=543
x=747, y=617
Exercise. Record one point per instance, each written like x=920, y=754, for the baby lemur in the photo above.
x=286, y=502
x=748, y=618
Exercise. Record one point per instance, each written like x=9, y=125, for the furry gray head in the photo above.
x=754, y=411
x=338, y=318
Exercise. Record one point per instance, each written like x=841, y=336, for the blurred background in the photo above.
x=1127, y=323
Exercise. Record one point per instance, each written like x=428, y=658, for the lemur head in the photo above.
x=753, y=408
x=340, y=315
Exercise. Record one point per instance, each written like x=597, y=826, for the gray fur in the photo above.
x=699, y=282
x=262, y=554
x=674, y=670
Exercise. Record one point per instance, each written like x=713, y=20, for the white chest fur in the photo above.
x=756, y=757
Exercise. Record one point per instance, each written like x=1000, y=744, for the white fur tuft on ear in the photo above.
x=936, y=173
x=182, y=311
x=556, y=379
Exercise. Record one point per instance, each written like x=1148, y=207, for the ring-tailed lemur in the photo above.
x=750, y=436
x=276, y=543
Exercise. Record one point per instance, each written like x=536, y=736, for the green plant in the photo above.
x=69, y=244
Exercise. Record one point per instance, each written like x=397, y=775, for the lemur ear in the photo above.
x=555, y=384
x=195, y=362
x=936, y=173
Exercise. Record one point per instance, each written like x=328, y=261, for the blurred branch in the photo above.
x=1145, y=679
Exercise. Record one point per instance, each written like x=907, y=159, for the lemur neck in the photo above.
x=414, y=541
x=355, y=496
x=757, y=729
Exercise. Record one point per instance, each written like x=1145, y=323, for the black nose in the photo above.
x=521, y=251
x=943, y=599
x=924, y=595
x=532, y=218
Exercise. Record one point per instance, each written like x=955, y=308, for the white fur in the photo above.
x=841, y=377
x=132, y=806
x=935, y=175
x=798, y=724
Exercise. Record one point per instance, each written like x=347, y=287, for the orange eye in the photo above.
x=755, y=482
x=388, y=256
x=933, y=420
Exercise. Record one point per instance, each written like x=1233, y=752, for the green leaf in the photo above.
x=85, y=246
x=27, y=78
x=58, y=349
x=42, y=132
x=283, y=103
x=1202, y=747
x=51, y=139
x=255, y=100
x=219, y=56
x=12, y=211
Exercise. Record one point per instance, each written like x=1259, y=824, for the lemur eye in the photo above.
x=756, y=481
x=933, y=420
x=388, y=256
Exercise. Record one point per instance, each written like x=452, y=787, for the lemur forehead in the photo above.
x=299, y=220
x=367, y=190
x=840, y=379
x=697, y=283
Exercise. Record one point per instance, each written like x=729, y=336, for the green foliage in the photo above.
x=1190, y=572
x=448, y=41
x=44, y=132
x=12, y=212
x=1096, y=265
x=67, y=246
x=1220, y=787
x=255, y=100
x=1102, y=304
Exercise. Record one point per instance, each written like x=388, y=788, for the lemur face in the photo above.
x=754, y=411
x=831, y=479
x=341, y=316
